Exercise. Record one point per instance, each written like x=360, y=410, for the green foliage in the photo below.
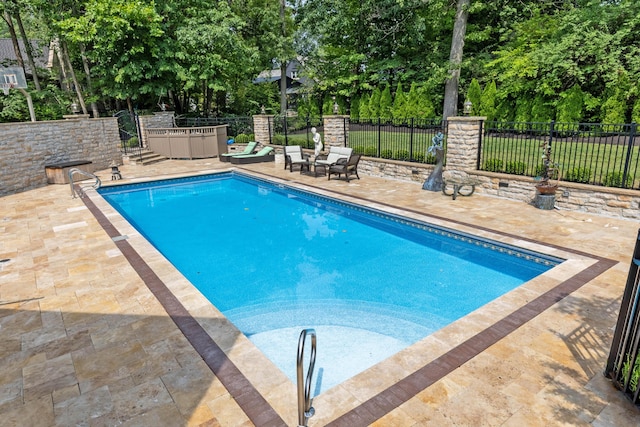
x=515, y=168
x=488, y=101
x=132, y=142
x=541, y=110
x=399, y=103
x=411, y=104
x=634, y=371
x=614, y=179
x=425, y=106
x=386, y=154
x=242, y=138
x=386, y=103
x=613, y=109
x=358, y=149
x=50, y=103
x=474, y=95
x=371, y=151
x=582, y=175
x=635, y=114
x=418, y=157
x=570, y=107
x=327, y=105
x=374, y=104
x=402, y=155
x=523, y=110
x=430, y=159
x=278, y=139
x=493, y=165
x=365, y=113
x=354, y=108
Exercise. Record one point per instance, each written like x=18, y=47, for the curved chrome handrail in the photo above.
x=305, y=410
x=95, y=185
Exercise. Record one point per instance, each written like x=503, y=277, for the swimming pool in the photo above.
x=362, y=274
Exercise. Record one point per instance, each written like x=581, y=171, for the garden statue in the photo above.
x=434, y=182
x=317, y=142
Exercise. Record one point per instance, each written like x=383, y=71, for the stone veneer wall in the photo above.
x=336, y=131
x=263, y=128
x=160, y=119
x=27, y=147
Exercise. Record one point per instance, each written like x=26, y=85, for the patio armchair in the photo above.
x=344, y=166
x=249, y=149
x=293, y=156
x=335, y=153
x=264, y=155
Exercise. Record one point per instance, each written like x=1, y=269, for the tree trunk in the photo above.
x=14, y=37
x=283, y=64
x=65, y=54
x=450, y=107
x=28, y=49
x=87, y=71
x=63, y=69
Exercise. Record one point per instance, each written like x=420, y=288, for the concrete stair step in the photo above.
x=146, y=157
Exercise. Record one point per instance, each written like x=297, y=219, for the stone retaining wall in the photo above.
x=26, y=147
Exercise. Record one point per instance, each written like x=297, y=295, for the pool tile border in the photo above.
x=262, y=413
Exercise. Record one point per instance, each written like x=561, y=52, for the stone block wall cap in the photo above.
x=75, y=116
x=466, y=118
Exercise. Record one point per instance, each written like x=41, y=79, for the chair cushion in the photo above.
x=336, y=153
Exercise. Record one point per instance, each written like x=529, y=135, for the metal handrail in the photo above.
x=305, y=410
x=95, y=185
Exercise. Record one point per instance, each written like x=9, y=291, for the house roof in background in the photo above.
x=8, y=55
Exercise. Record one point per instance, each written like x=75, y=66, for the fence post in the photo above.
x=379, y=137
x=480, y=136
x=463, y=144
x=335, y=131
x=263, y=128
x=627, y=317
x=411, y=140
x=625, y=172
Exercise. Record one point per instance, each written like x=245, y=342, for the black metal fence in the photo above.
x=623, y=364
x=295, y=130
x=596, y=154
x=235, y=125
x=128, y=129
x=397, y=139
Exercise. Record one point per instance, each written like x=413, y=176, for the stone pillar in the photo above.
x=263, y=128
x=462, y=145
x=159, y=120
x=336, y=131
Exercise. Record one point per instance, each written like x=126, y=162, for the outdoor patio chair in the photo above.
x=293, y=156
x=249, y=149
x=264, y=155
x=335, y=153
x=346, y=167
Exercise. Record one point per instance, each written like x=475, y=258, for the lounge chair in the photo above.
x=249, y=149
x=264, y=155
x=293, y=156
x=346, y=167
x=335, y=153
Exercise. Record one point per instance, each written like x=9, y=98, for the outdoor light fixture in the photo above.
x=468, y=106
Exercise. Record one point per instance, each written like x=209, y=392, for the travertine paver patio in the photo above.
x=86, y=342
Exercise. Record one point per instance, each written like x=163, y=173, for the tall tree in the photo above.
x=450, y=106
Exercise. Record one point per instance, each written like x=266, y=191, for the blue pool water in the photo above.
x=276, y=260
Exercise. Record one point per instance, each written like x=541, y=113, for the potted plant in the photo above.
x=549, y=171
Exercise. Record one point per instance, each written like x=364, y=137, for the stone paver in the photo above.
x=85, y=341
